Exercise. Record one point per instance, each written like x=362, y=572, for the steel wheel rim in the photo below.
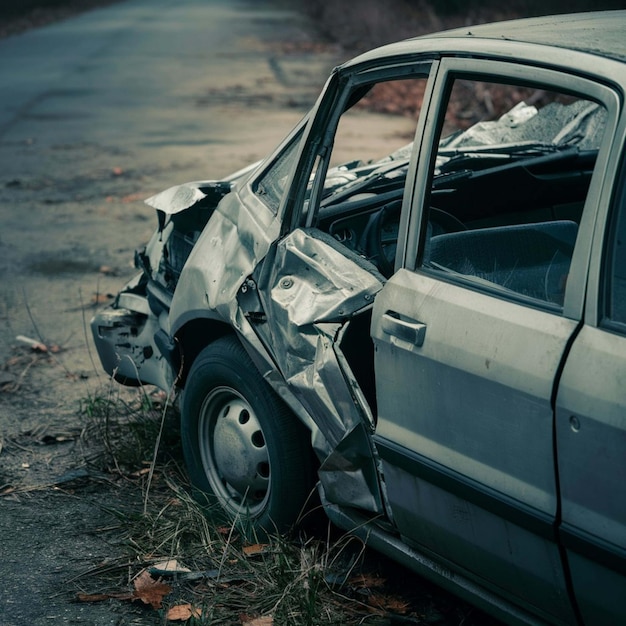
x=234, y=452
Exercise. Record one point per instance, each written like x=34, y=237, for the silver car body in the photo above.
x=480, y=436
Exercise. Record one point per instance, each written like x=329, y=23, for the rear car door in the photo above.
x=591, y=431
x=470, y=334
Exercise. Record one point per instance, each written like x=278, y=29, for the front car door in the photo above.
x=470, y=334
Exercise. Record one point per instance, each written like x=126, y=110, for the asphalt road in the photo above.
x=136, y=74
x=103, y=110
x=97, y=113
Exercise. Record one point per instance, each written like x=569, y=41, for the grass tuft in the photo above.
x=221, y=574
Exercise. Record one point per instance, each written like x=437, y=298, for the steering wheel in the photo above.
x=444, y=222
x=379, y=252
x=383, y=253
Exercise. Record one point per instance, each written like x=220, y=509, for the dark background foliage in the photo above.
x=361, y=25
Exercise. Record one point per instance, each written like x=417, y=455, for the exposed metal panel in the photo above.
x=311, y=288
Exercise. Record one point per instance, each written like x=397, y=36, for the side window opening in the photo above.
x=510, y=179
x=363, y=186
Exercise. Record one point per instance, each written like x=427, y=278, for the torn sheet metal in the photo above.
x=349, y=476
x=313, y=284
x=312, y=279
x=229, y=248
x=311, y=287
x=125, y=338
x=311, y=290
x=175, y=200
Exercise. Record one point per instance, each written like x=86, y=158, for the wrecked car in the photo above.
x=429, y=327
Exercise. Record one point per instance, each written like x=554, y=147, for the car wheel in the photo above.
x=244, y=449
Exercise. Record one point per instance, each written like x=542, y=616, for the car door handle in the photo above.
x=411, y=331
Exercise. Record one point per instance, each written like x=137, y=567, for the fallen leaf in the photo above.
x=150, y=591
x=170, y=566
x=182, y=613
x=255, y=549
x=368, y=581
x=388, y=604
x=141, y=472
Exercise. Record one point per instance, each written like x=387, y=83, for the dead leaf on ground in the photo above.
x=171, y=566
x=367, y=581
x=139, y=473
x=389, y=604
x=150, y=591
x=255, y=549
x=182, y=613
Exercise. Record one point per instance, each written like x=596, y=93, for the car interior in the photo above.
x=502, y=213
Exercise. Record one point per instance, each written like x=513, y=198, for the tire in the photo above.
x=244, y=449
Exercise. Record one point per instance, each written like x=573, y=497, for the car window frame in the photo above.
x=616, y=218
x=325, y=123
x=292, y=141
x=526, y=73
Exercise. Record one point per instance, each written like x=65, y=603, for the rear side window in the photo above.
x=509, y=182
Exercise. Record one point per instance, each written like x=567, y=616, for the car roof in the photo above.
x=602, y=33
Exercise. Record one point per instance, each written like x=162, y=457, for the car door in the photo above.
x=471, y=332
x=591, y=431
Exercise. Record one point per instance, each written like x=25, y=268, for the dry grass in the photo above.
x=310, y=578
